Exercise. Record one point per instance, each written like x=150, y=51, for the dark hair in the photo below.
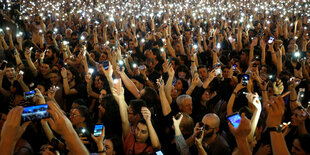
x=54, y=50
x=150, y=97
x=202, y=66
x=304, y=141
x=75, y=74
x=19, y=89
x=80, y=102
x=136, y=105
x=184, y=85
x=185, y=69
x=111, y=117
x=48, y=61
x=176, y=61
x=84, y=112
x=117, y=144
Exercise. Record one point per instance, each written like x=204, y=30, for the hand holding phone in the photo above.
x=234, y=119
x=245, y=79
x=99, y=128
x=35, y=113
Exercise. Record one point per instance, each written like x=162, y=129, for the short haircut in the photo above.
x=181, y=98
x=213, y=116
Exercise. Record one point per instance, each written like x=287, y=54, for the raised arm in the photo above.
x=169, y=83
x=275, y=110
x=180, y=142
x=120, y=99
x=254, y=100
x=241, y=133
x=67, y=89
x=165, y=105
x=232, y=98
x=12, y=130
x=153, y=136
x=62, y=125
x=129, y=84
x=30, y=63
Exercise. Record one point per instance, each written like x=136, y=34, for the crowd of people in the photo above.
x=162, y=76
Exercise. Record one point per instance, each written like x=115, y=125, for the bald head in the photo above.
x=212, y=120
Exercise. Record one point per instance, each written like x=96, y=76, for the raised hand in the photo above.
x=146, y=113
x=278, y=87
x=275, y=108
x=244, y=128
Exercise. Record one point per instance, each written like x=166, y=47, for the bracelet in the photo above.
x=293, y=100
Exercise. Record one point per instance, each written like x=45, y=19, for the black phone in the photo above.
x=234, y=119
x=178, y=116
x=105, y=65
x=201, y=127
x=36, y=112
x=4, y=63
x=245, y=79
x=98, y=130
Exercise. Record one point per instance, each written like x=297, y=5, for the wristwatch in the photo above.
x=277, y=129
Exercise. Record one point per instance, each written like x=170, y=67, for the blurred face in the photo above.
x=141, y=133
x=10, y=72
x=102, y=57
x=243, y=57
x=49, y=54
x=45, y=69
x=69, y=76
x=54, y=78
x=131, y=115
x=206, y=96
x=131, y=45
x=109, y=147
x=41, y=88
x=182, y=75
x=263, y=70
x=226, y=72
x=187, y=106
x=296, y=148
x=209, y=123
x=203, y=73
x=178, y=85
x=75, y=117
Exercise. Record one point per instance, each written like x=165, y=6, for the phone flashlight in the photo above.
x=90, y=71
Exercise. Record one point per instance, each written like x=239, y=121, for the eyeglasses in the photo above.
x=205, y=126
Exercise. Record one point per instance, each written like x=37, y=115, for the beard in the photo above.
x=38, y=23
x=208, y=135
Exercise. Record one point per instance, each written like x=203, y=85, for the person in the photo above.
x=185, y=104
x=138, y=141
x=213, y=142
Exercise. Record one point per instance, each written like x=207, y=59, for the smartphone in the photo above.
x=270, y=40
x=141, y=67
x=272, y=78
x=234, y=67
x=29, y=94
x=105, y=65
x=35, y=113
x=4, y=63
x=234, y=119
x=201, y=127
x=301, y=93
x=159, y=152
x=218, y=71
x=98, y=130
x=178, y=116
x=245, y=79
